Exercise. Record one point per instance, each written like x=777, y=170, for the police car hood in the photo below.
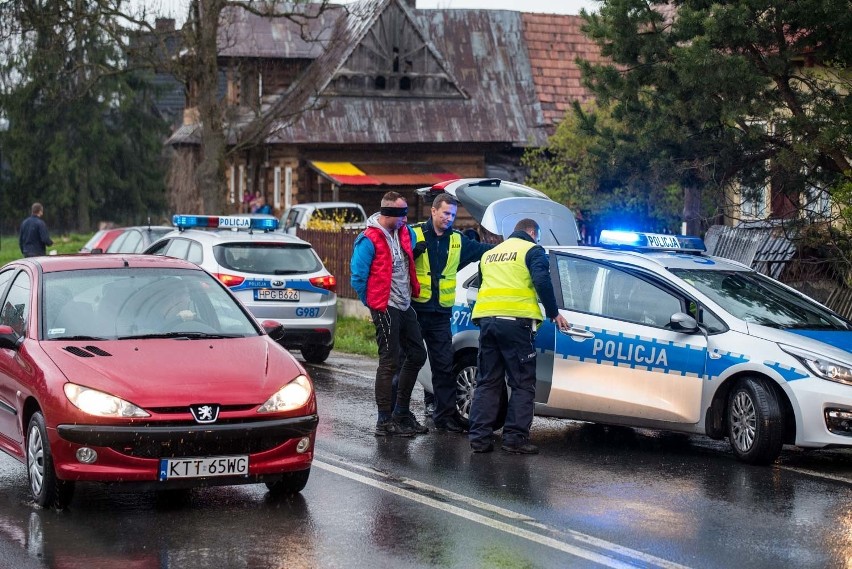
x=557, y=223
x=831, y=343
x=170, y=372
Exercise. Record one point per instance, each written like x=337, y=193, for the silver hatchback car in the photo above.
x=276, y=276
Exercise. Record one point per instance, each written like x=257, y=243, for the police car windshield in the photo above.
x=267, y=258
x=757, y=299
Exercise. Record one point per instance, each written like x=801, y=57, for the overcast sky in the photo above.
x=177, y=8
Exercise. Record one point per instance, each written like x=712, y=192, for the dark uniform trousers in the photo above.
x=505, y=349
x=435, y=326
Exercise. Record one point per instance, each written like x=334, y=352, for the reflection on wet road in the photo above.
x=596, y=496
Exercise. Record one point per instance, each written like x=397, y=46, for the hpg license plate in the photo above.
x=276, y=294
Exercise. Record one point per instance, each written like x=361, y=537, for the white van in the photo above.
x=348, y=215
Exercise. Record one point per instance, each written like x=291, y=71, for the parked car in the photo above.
x=345, y=214
x=135, y=239
x=145, y=370
x=666, y=337
x=102, y=239
x=277, y=277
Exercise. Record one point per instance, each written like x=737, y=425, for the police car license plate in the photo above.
x=276, y=294
x=171, y=468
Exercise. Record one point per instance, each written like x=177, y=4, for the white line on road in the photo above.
x=824, y=475
x=581, y=552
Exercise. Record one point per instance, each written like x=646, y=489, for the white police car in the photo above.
x=277, y=277
x=667, y=337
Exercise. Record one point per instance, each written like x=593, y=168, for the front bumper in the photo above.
x=132, y=453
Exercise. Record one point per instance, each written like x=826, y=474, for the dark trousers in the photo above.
x=435, y=327
x=395, y=330
x=505, y=351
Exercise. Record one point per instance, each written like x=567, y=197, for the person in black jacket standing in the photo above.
x=439, y=253
x=33, y=238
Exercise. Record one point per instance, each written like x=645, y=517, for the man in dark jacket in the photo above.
x=439, y=253
x=33, y=238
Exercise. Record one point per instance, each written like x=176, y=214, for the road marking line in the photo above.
x=503, y=526
x=831, y=477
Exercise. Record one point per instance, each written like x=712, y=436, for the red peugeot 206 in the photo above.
x=143, y=369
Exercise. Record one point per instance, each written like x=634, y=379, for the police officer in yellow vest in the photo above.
x=439, y=253
x=515, y=275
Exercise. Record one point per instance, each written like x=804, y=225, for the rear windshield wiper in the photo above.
x=287, y=272
x=181, y=335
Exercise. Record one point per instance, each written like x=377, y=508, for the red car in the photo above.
x=101, y=240
x=145, y=369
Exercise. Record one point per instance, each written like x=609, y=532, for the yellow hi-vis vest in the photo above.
x=507, y=288
x=447, y=280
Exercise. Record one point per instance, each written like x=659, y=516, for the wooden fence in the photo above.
x=335, y=250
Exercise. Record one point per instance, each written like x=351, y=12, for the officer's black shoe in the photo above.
x=481, y=447
x=392, y=428
x=525, y=448
x=409, y=424
x=454, y=425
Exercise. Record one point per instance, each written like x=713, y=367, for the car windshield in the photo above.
x=139, y=302
x=757, y=299
x=268, y=258
x=341, y=214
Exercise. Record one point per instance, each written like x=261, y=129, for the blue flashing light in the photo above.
x=656, y=241
x=225, y=222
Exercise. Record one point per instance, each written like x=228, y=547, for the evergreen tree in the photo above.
x=714, y=95
x=82, y=137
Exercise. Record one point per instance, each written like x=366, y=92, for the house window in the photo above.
x=380, y=83
x=754, y=190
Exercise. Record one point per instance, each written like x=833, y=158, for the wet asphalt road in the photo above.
x=595, y=497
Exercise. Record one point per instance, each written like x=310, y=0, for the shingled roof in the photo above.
x=503, y=77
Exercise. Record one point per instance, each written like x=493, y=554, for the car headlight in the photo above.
x=821, y=366
x=292, y=396
x=101, y=404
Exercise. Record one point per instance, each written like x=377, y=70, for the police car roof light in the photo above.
x=653, y=241
x=225, y=222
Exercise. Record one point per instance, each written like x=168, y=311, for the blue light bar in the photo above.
x=225, y=222
x=656, y=241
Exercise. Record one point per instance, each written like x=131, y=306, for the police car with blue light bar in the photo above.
x=667, y=337
x=276, y=277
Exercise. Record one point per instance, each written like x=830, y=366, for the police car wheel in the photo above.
x=755, y=422
x=465, y=374
x=315, y=354
x=290, y=483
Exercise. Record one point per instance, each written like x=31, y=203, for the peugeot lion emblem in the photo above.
x=207, y=413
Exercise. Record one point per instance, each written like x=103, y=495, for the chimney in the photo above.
x=164, y=24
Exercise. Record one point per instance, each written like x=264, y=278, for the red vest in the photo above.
x=381, y=271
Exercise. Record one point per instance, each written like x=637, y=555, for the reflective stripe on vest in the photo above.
x=446, y=281
x=507, y=288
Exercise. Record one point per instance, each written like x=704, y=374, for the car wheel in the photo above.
x=465, y=374
x=755, y=423
x=290, y=483
x=47, y=490
x=315, y=354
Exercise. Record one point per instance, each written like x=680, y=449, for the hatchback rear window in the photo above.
x=267, y=258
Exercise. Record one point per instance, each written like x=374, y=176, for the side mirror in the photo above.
x=9, y=339
x=682, y=322
x=274, y=330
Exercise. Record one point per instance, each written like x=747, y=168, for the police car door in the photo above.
x=620, y=360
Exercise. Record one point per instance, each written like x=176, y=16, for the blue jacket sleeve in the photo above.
x=362, y=258
x=45, y=237
x=471, y=251
x=539, y=266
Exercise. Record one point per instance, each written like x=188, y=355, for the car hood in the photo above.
x=170, y=372
x=831, y=343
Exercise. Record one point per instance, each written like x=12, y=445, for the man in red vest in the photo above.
x=384, y=278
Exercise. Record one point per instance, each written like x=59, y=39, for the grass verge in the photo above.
x=356, y=336
x=71, y=243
